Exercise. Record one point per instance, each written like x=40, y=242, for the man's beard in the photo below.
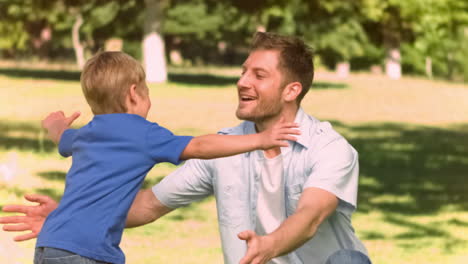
x=261, y=112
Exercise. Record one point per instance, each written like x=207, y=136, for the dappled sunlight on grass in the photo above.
x=411, y=135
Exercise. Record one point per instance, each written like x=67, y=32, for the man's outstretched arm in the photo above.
x=33, y=218
x=145, y=209
x=315, y=205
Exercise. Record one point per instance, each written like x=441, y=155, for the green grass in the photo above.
x=412, y=137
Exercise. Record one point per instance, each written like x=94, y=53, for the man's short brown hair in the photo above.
x=295, y=59
x=106, y=78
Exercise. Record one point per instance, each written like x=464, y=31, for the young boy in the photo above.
x=111, y=156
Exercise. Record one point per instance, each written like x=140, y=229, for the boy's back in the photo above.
x=111, y=156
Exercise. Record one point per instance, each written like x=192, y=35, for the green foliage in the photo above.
x=360, y=31
x=413, y=196
x=16, y=37
x=192, y=18
x=439, y=28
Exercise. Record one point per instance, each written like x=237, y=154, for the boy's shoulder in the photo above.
x=115, y=127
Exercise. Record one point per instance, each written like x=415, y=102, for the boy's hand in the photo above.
x=278, y=135
x=55, y=123
x=32, y=220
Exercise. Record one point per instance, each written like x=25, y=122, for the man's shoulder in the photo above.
x=246, y=127
x=318, y=134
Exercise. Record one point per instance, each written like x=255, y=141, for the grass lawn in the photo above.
x=411, y=134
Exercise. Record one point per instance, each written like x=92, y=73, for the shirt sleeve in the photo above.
x=189, y=183
x=164, y=146
x=66, y=142
x=337, y=170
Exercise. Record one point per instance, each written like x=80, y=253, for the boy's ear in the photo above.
x=132, y=93
x=292, y=91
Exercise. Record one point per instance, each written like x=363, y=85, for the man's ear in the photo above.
x=292, y=91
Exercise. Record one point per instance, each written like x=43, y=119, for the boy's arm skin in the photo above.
x=202, y=147
x=56, y=122
x=216, y=146
x=314, y=206
x=145, y=209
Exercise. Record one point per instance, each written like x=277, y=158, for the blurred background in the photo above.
x=390, y=76
x=425, y=37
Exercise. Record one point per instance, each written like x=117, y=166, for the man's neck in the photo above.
x=271, y=153
x=289, y=116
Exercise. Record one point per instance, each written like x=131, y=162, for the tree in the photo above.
x=25, y=26
x=153, y=44
x=439, y=36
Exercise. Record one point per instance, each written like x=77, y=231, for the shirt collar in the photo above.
x=305, y=124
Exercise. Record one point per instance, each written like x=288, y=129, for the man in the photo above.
x=282, y=205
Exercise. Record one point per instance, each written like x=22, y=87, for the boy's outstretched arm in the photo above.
x=216, y=146
x=56, y=122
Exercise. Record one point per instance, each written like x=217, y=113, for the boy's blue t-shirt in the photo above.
x=111, y=156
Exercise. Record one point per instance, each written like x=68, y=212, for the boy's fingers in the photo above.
x=290, y=124
x=72, y=118
x=291, y=131
x=292, y=138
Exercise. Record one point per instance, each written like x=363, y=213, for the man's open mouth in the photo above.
x=245, y=98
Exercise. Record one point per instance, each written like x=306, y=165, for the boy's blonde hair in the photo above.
x=106, y=78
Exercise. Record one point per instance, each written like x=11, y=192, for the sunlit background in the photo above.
x=390, y=76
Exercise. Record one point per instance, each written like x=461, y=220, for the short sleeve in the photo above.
x=164, y=146
x=189, y=183
x=337, y=170
x=66, y=142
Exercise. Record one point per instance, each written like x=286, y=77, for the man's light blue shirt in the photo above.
x=320, y=158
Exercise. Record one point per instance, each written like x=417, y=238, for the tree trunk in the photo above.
x=153, y=44
x=77, y=46
x=175, y=54
x=393, y=64
x=450, y=66
x=342, y=70
x=429, y=67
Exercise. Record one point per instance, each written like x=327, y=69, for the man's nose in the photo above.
x=243, y=82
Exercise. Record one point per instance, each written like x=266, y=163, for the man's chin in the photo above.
x=244, y=116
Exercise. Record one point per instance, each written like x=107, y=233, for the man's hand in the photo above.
x=260, y=249
x=32, y=220
x=55, y=123
x=277, y=135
